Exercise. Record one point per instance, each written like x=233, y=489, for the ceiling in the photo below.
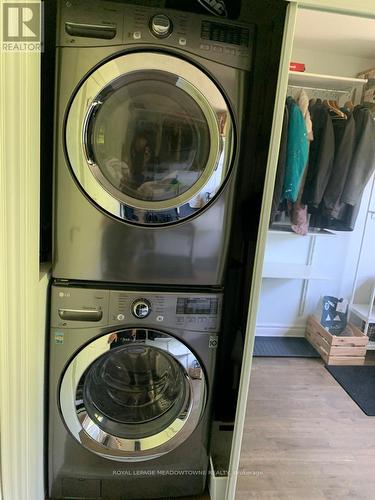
x=336, y=33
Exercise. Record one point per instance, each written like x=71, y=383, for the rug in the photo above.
x=288, y=347
x=359, y=383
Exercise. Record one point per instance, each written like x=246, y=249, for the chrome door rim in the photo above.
x=92, y=437
x=190, y=79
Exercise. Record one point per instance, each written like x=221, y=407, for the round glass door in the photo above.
x=148, y=134
x=133, y=395
x=149, y=138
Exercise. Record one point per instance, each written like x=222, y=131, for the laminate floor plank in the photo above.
x=304, y=437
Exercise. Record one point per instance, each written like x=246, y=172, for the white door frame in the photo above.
x=22, y=288
x=273, y=153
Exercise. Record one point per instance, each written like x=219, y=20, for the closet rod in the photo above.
x=320, y=90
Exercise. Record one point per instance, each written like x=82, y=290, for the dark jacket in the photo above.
x=354, y=164
x=344, y=132
x=279, y=181
x=322, y=150
x=363, y=162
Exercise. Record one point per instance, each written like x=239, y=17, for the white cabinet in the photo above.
x=291, y=256
x=286, y=270
x=292, y=262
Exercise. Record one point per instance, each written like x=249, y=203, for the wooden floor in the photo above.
x=304, y=437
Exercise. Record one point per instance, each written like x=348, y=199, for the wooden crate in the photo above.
x=336, y=350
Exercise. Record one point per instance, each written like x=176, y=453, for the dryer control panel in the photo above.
x=93, y=23
x=78, y=307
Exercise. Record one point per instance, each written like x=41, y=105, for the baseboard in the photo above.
x=272, y=330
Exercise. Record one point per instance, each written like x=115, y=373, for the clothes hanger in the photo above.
x=349, y=105
x=337, y=109
x=331, y=107
x=327, y=104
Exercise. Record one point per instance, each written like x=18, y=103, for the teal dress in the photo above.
x=297, y=152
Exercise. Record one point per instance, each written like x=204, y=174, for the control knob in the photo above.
x=161, y=25
x=141, y=308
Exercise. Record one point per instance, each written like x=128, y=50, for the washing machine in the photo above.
x=149, y=114
x=131, y=376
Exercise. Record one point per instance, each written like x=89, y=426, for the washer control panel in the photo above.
x=77, y=307
x=193, y=311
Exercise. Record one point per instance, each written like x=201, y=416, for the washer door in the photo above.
x=133, y=395
x=149, y=138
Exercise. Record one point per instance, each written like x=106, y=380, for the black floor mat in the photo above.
x=288, y=347
x=359, y=383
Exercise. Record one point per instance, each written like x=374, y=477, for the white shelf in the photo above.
x=304, y=79
x=286, y=229
x=371, y=346
x=361, y=310
x=286, y=270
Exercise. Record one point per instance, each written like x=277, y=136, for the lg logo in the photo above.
x=22, y=26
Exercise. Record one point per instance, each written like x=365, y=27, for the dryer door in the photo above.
x=149, y=138
x=133, y=395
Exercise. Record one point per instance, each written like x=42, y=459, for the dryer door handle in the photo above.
x=81, y=314
x=104, y=31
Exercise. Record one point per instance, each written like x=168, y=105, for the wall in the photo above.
x=356, y=7
x=23, y=290
x=330, y=63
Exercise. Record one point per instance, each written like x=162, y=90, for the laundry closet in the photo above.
x=336, y=51
x=293, y=271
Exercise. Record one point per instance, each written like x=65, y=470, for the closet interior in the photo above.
x=322, y=228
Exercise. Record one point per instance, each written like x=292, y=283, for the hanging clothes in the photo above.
x=345, y=133
x=361, y=168
x=363, y=162
x=345, y=221
x=299, y=219
x=297, y=151
x=321, y=155
x=329, y=173
x=303, y=104
x=353, y=166
x=299, y=216
x=279, y=181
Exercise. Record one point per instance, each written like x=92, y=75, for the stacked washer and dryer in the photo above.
x=149, y=110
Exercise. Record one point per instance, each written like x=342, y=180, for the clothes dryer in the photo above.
x=131, y=376
x=149, y=114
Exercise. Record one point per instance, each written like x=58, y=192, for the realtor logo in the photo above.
x=22, y=26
